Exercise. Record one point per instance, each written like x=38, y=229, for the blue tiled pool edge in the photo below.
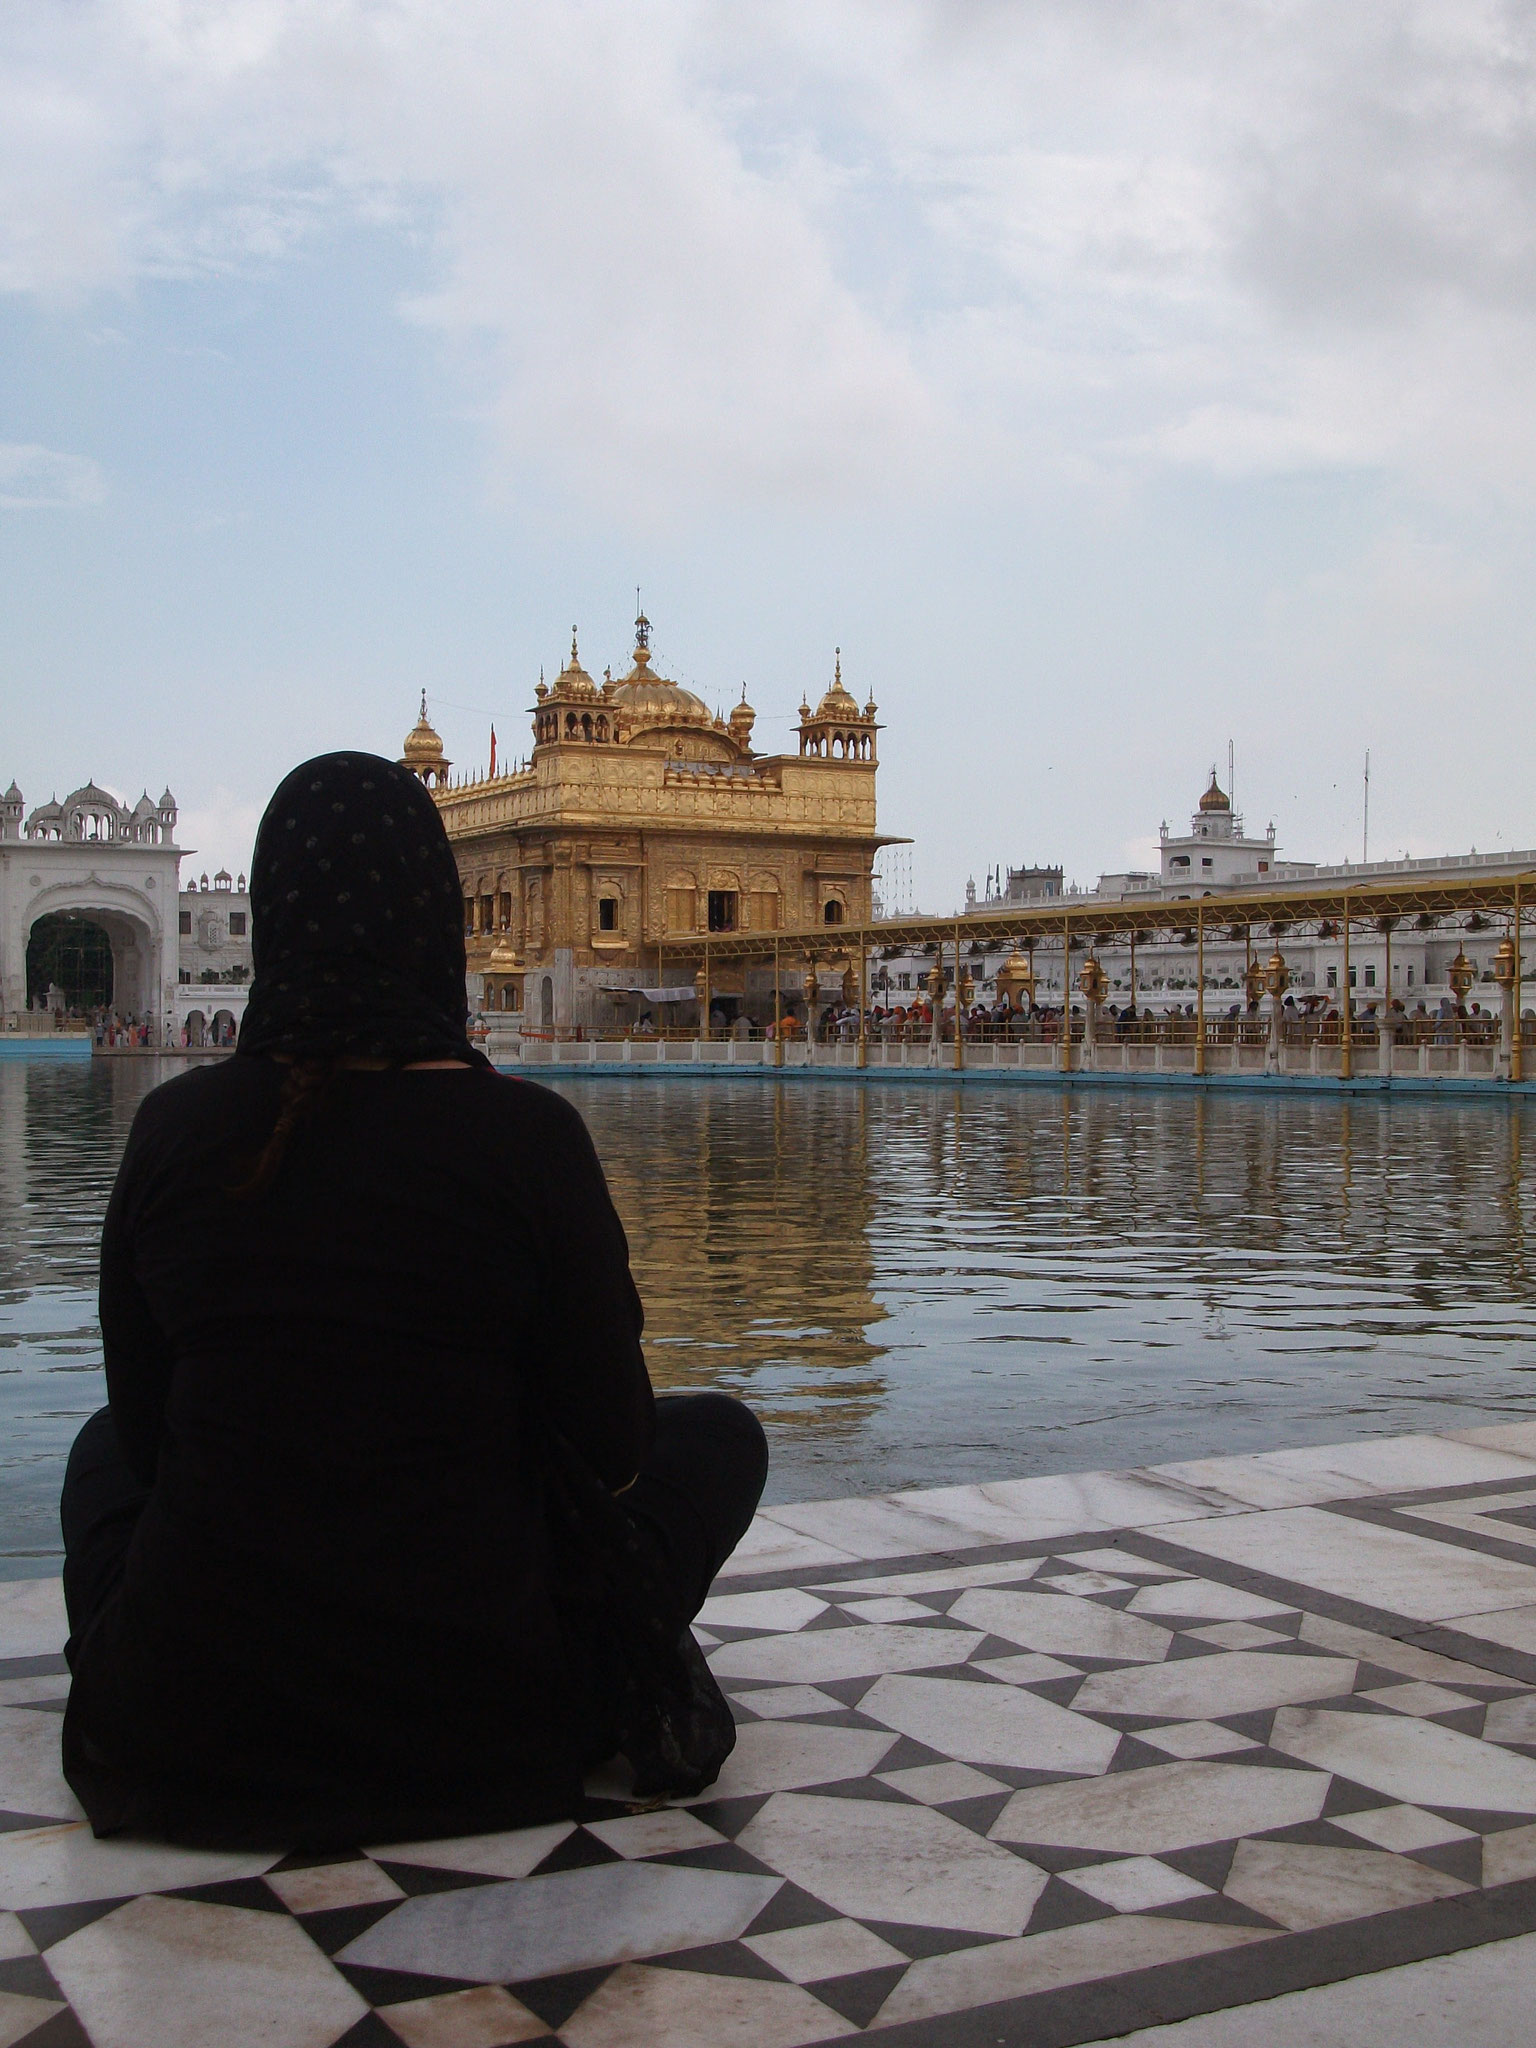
x=1263, y=1084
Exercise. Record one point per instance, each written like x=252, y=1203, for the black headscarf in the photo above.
x=357, y=913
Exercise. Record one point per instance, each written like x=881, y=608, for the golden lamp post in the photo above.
x=1094, y=983
x=1506, y=973
x=1460, y=974
x=810, y=989
x=1275, y=979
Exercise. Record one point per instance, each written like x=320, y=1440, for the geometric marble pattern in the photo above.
x=1192, y=1756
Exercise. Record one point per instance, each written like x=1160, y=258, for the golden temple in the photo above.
x=642, y=818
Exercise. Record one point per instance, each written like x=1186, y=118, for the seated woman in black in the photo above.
x=382, y=1532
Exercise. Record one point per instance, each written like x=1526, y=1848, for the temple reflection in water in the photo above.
x=924, y=1284
x=749, y=1221
x=918, y=1284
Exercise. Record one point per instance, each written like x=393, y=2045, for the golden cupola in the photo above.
x=743, y=718
x=837, y=706
x=423, y=751
x=1215, y=798
x=837, y=729
x=643, y=698
x=573, y=680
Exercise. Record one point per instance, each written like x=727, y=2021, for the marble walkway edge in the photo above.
x=1219, y=1752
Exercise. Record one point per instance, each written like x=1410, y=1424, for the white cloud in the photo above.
x=33, y=476
x=872, y=249
x=220, y=832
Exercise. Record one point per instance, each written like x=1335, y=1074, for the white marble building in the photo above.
x=111, y=863
x=181, y=958
x=1216, y=857
x=213, y=969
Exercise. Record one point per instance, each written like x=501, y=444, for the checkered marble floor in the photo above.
x=1240, y=1750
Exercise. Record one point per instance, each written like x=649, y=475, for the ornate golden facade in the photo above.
x=641, y=817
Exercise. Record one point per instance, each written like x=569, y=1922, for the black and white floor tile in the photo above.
x=1049, y=1761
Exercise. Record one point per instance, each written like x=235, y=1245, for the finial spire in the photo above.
x=642, y=625
x=837, y=668
x=423, y=707
x=575, y=657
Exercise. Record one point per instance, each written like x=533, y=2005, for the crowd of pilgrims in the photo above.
x=1303, y=1017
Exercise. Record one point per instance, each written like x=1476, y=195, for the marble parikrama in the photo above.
x=1242, y=1749
x=641, y=815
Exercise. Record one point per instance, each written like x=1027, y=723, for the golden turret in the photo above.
x=423, y=751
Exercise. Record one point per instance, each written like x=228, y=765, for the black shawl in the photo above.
x=357, y=920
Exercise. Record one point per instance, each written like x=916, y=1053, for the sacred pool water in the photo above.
x=917, y=1284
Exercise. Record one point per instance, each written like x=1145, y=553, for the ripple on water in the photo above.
x=916, y=1286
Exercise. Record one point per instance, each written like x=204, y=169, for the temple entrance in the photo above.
x=70, y=953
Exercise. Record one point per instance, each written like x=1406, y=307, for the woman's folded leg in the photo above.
x=698, y=1490
x=99, y=1509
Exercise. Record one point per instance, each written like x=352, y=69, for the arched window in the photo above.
x=832, y=911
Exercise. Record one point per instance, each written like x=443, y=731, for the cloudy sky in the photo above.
x=1109, y=380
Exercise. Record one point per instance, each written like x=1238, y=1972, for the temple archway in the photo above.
x=70, y=954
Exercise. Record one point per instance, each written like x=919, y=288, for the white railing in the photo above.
x=1467, y=1059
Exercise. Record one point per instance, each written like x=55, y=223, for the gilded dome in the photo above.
x=645, y=699
x=837, y=706
x=573, y=680
x=423, y=748
x=1215, y=798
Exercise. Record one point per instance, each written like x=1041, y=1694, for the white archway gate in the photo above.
x=129, y=891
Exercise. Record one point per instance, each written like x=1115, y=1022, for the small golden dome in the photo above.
x=1215, y=798
x=573, y=680
x=423, y=748
x=837, y=704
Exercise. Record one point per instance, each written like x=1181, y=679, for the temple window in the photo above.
x=237, y=924
x=832, y=911
x=184, y=924
x=722, y=910
x=680, y=903
x=607, y=913
x=764, y=905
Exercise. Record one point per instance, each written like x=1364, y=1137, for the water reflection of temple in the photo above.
x=748, y=1222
